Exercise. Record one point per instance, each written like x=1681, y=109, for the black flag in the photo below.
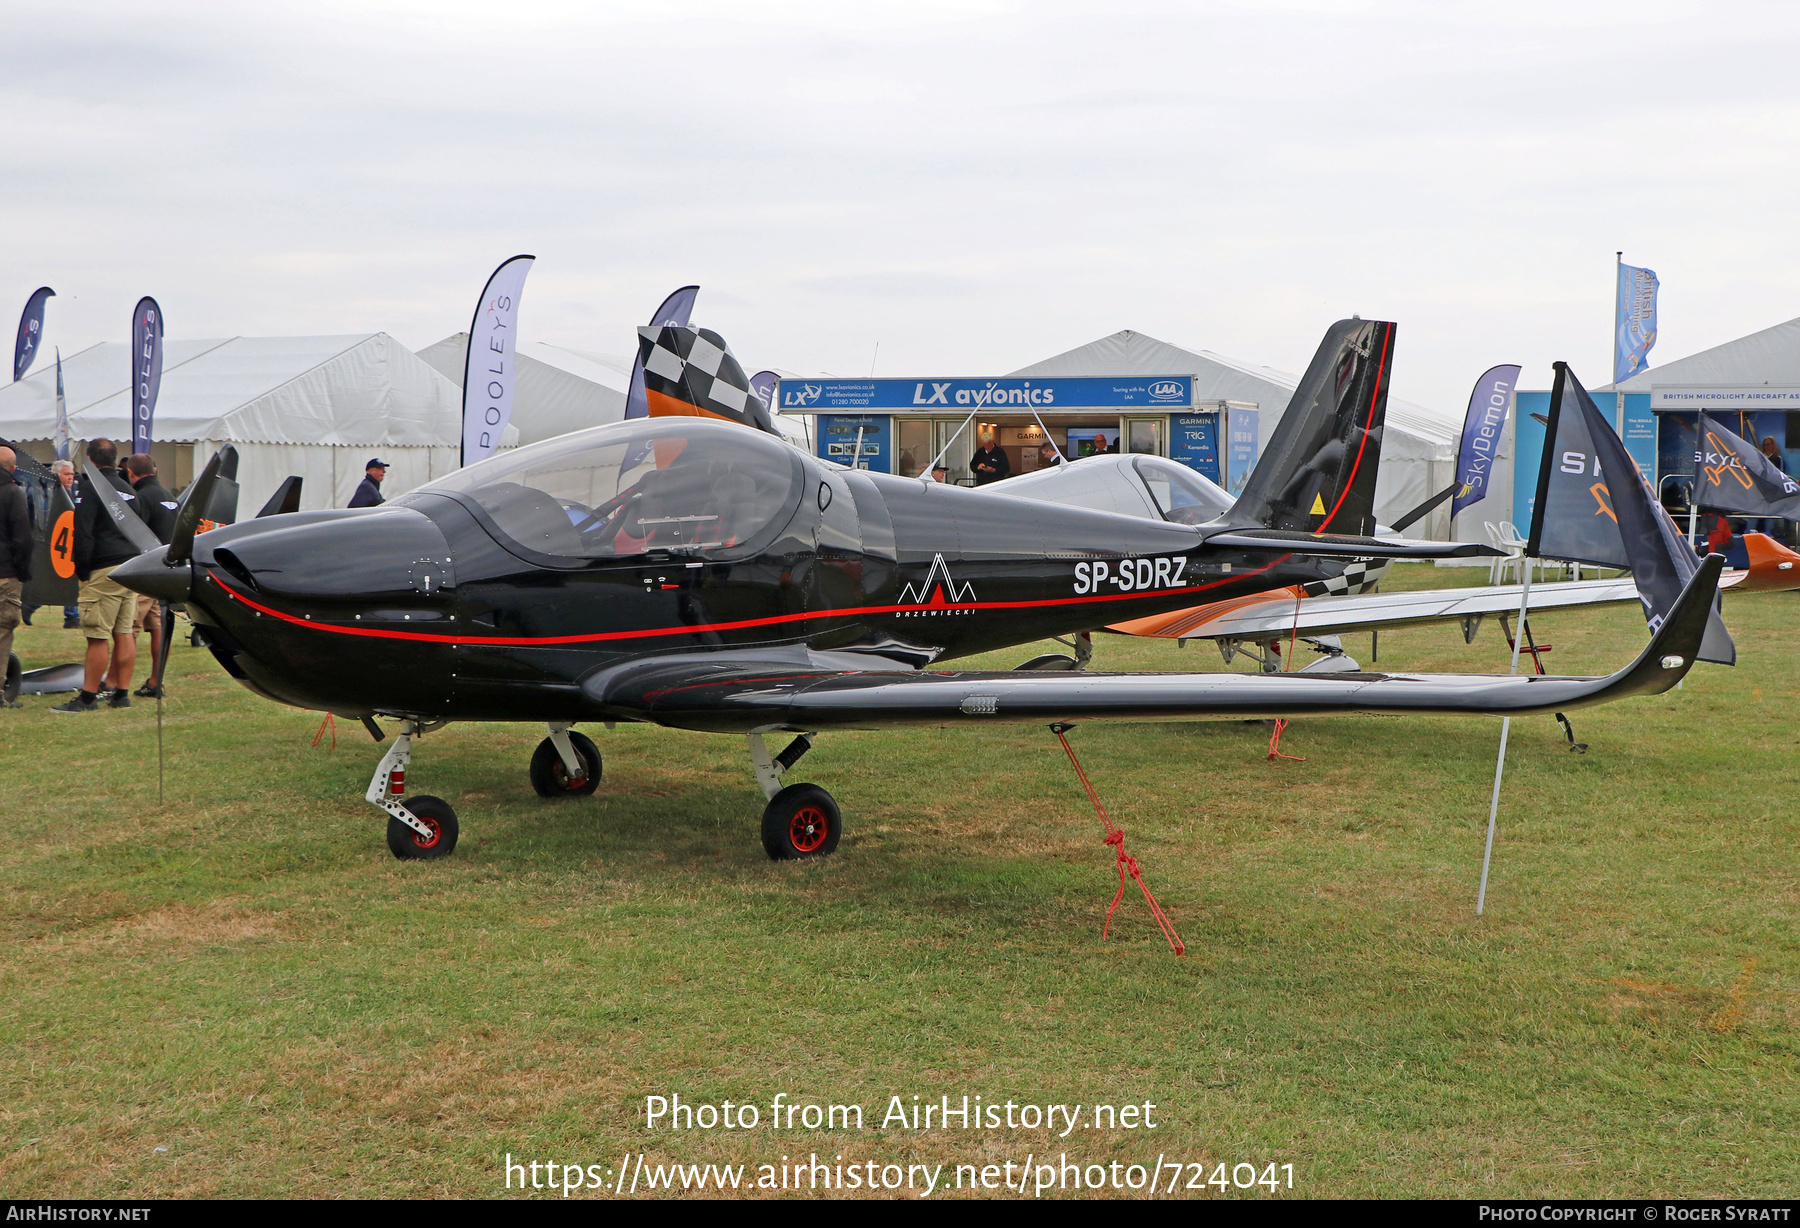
x=1594, y=506
x=1732, y=475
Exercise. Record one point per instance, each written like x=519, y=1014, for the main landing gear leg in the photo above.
x=422, y=827
x=800, y=821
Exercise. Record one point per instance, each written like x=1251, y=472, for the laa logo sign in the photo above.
x=1130, y=575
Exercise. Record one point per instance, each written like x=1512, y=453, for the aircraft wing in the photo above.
x=745, y=692
x=1271, y=615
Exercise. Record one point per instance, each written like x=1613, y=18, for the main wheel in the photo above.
x=550, y=775
x=801, y=821
x=435, y=813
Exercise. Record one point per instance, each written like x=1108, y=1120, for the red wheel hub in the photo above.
x=807, y=829
x=437, y=833
x=566, y=782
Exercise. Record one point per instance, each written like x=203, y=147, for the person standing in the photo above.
x=15, y=558
x=1048, y=455
x=990, y=463
x=106, y=605
x=368, y=491
x=157, y=506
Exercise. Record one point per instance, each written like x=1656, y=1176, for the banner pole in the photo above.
x=1487, y=855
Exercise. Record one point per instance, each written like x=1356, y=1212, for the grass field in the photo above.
x=239, y=992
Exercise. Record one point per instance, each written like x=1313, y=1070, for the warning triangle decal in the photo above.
x=1318, y=507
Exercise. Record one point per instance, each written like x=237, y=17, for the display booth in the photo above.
x=901, y=425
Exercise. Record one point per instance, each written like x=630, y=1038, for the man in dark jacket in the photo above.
x=157, y=506
x=15, y=558
x=368, y=492
x=107, y=607
x=990, y=463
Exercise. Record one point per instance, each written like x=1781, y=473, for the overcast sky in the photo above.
x=973, y=186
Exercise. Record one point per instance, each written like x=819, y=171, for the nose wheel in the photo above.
x=569, y=770
x=409, y=844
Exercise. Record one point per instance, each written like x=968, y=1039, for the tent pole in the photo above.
x=1487, y=855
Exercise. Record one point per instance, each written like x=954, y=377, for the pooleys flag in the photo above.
x=1481, y=434
x=1634, y=328
x=146, y=370
x=1733, y=475
x=692, y=372
x=31, y=331
x=1594, y=506
x=491, y=366
x=673, y=313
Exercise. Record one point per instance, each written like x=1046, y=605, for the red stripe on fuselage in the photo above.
x=525, y=641
x=1387, y=336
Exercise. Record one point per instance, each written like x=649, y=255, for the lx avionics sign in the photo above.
x=951, y=395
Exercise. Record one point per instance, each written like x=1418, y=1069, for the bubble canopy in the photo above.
x=684, y=485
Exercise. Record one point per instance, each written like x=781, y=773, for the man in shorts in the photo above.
x=157, y=506
x=107, y=607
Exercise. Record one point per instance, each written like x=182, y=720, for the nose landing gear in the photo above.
x=420, y=828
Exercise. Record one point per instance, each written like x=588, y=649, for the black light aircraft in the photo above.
x=689, y=570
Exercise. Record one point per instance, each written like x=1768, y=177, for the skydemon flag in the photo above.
x=146, y=370
x=692, y=372
x=31, y=331
x=490, y=366
x=1594, y=506
x=1481, y=434
x=673, y=313
x=1732, y=475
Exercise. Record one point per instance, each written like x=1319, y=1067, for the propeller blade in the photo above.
x=187, y=516
x=285, y=500
x=121, y=512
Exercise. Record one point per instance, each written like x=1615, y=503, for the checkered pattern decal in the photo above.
x=1359, y=576
x=695, y=369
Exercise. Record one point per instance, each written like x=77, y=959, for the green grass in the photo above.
x=245, y=977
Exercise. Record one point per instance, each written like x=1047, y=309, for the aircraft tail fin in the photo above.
x=1318, y=473
x=692, y=372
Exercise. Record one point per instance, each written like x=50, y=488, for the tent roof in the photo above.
x=357, y=390
x=559, y=390
x=1428, y=431
x=1771, y=356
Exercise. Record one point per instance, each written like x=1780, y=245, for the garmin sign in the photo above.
x=1001, y=395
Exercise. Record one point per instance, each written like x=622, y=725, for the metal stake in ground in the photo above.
x=1500, y=761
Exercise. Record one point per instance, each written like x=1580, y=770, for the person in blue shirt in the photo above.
x=368, y=491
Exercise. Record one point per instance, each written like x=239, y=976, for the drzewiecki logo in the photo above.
x=937, y=594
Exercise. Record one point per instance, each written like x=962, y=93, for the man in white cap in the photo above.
x=368, y=492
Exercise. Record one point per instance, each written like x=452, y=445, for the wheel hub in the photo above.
x=807, y=828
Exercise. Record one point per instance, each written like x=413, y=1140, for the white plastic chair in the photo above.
x=1510, y=558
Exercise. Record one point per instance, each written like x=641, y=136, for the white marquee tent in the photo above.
x=559, y=390
x=1771, y=356
x=1418, y=454
x=320, y=407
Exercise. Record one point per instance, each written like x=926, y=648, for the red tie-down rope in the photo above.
x=1127, y=863
x=1281, y=722
x=330, y=722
